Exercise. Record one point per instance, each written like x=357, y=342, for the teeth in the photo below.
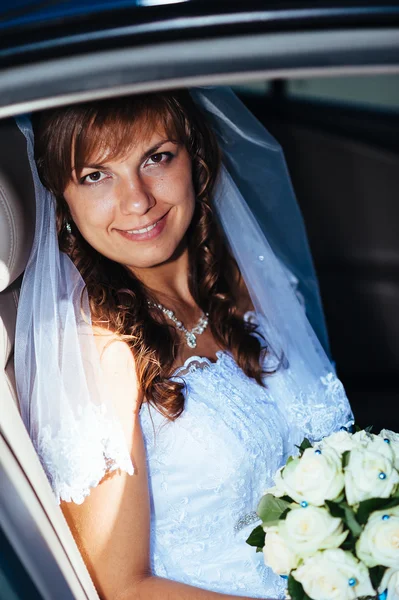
x=144, y=230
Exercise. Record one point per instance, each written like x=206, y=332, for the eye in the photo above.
x=159, y=158
x=93, y=177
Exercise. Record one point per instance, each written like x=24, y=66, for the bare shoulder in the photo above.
x=119, y=370
x=109, y=345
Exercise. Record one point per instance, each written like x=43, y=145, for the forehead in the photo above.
x=111, y=137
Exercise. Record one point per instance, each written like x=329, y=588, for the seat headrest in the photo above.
x=17, y=203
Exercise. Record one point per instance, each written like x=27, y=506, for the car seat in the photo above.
x=30, y=518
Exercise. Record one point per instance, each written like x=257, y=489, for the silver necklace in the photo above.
x=191, y=336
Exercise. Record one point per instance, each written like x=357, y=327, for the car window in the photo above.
x=15, y=583
x=371, y=91
x=255, y=88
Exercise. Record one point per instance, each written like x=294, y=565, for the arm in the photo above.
x=152, y=588
x=112, y=525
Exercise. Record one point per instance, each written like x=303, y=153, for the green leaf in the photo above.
x=396, y=492
x=270, y=509
x=340, y=498
x=287, y=499
x=335, y=509
x=376, y=575
x=350, y=520
x=345, y=458
x=296, y=590
x=290, y=459
x=372, y=504
x=394, y=502
x=257, y=537
x=349, y=543
x=345, y=512
x=304, y=446
x=369, y=428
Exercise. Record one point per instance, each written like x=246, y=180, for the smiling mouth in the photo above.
x=144, y=229
x=145, y=233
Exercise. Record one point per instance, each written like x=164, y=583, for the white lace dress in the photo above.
x=209, y=468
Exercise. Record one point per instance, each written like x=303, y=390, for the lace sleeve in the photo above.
x=321, y=409
x=82, y=451
x=313, y=406
x=314, y=410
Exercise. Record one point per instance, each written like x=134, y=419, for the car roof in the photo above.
x=76, y=50
x=32, y=10
x=17, y=13
x=42, y=29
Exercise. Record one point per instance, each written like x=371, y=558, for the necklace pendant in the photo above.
x=191, y=340
x=191, y=336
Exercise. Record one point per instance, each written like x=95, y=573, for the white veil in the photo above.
x=256, y=163
x=63, y=405
x=70, y=419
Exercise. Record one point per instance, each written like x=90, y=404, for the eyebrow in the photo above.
x=146, y=154
x=153, y=149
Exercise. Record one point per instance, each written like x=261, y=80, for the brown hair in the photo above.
x=65, y=138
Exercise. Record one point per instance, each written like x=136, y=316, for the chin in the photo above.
x=156, y=258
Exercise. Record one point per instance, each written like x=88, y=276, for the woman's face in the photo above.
x=136, y=210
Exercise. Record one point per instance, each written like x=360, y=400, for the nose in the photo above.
x=135, y=196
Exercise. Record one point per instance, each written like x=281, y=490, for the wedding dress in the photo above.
x=210, y=467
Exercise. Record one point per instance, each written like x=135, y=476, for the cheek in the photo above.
x=178, y=190
x=93, y=213
x=185, y=204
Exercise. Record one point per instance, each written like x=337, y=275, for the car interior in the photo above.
x=343, y=157
x=22, y=472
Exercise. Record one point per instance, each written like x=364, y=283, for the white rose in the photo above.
x=390, y=583
x=334, y=575
x=340, y=441
x=373, y=443
x=276, y=553
x=362, y=437
x=313, y=478
x=308, y=530
x=275, y=491
x=378, y=543
x=393, y=442
x=370, y=473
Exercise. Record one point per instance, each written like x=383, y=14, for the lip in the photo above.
x=147, y=235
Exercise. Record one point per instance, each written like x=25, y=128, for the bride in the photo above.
x=165, y=364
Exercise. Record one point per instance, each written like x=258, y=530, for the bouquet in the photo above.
x=330, y=525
